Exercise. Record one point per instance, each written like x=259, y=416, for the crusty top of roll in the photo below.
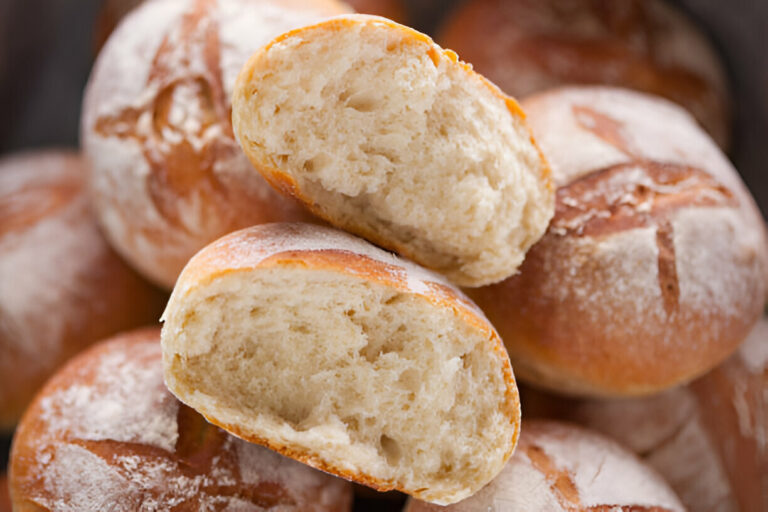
x=622, y=153
x=167, y=175
x=61, y=286
x=666, y=430
x=272, y=244
x=651, y=270
x=560, y=467
x=105, y=434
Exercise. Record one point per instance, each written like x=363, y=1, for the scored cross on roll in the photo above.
x=651, y=271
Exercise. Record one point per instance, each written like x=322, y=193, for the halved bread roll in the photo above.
x=386, y=135
x=331, y=351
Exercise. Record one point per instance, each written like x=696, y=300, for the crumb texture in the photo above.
x=366, y=380
x=390, y=138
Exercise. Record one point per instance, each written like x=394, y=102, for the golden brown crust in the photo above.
x=527, y=46
x=173, y=460
x=167, y=174
x=273, y=245
x=628, y=293
x=63, y=287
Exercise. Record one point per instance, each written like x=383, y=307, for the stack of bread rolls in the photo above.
x=366, y=241
x=63, y=287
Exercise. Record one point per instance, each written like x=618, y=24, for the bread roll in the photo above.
x=665, y=430
x=384, y=134
x=651, y=271
x=733, y=401
x=393, y=9
x=331, y=351
x=708, y=439
x=105, y=434
x=526, y=46
x=61, y=286
x=167, y=176
x=559, y=467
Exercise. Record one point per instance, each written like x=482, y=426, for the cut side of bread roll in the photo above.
x=326, y=349
x=385, y=134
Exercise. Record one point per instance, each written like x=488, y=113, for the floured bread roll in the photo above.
x=62, y=287
x=167, y=176
x=385, y=134
x=563, y=468
x=321, y=346
x=106, y=435
x=651, y=271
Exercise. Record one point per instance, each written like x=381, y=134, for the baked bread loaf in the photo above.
x=386, y=135
x=329, y=350
x=167, y=176
x=105, y=434
x=526, y=46
x=707, y=439
x=651, y=271
x=559, y=467
x=393, y=9
x=61, y=286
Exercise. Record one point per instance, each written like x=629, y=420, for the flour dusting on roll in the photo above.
x=105, y=434
x=563, y=468
x=167, y=176
x=651, y=271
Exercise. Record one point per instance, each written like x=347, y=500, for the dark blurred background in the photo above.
x=48, y=47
